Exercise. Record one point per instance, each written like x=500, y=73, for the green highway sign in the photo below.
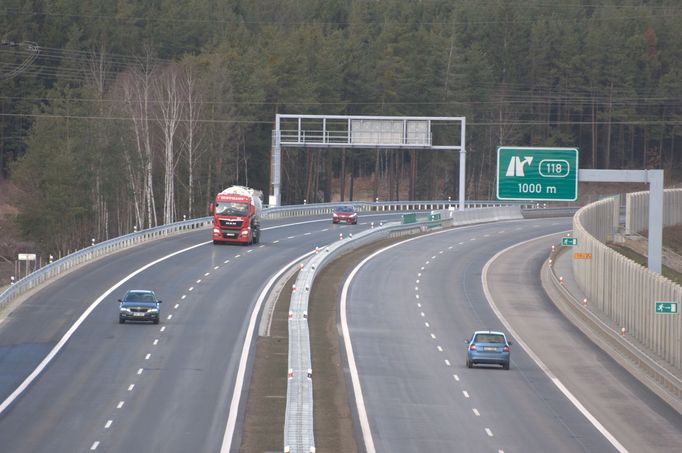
x=526, y=173
x=666, y=307
x=569, y=241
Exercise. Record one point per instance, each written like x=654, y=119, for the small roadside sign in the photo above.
x=666, y=307
x=583, y=256
x=569, y=241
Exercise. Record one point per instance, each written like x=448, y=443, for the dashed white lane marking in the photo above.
x=237, y=256
x=461, y=243
x=131, y=387
x=170, y=317
x=417, y=296
x=307, y=234
x=450, y=248
x=156, y=342
x=500, y=232
x=108, y=425
x=416, y=288
x=472, y=239
x=456, y=377
x=422, y=268
x=183, y=297
x=94, y=446
x=275, y=242
x=419, y=274
x=191, y=288
x=177, y=306
x=428, y=262
x=199, y=281
x=433, y=257
x=291, y=237
x=427, y=324
x=249, y=251
x=162, y=329
x=440, y=349
x=207, y=274
x=147, y=356
x=465, y=393
x=417, y=280
x=216, y=268
x=120, y=404
x=261, y=246
x=419, y=305
x=433, y=336
x=447, y=362
x=226, y=261
x=326, y=229
x=488, y=432
x=140, y=371
x=422, y=314
x=476, y=413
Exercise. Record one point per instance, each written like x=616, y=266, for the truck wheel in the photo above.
x=216, y=242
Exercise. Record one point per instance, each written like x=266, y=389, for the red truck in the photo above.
x=236, y=215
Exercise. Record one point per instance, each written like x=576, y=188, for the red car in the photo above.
x=345, y=214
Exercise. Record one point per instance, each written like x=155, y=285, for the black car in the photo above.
x=139, y=305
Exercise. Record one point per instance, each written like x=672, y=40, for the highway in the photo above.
x=408, y=312
x=143, y=387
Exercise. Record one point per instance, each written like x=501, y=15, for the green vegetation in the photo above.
x=128, y=113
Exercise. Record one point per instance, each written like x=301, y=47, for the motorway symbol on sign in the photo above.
x=569, y=241
x=537, y=173
x=666, y=307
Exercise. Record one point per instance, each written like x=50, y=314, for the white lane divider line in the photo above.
x=440, y=349
x=207, y=274
x=215, y=268
x=447, y=362
x=465, y=393
x=120, y=404
x=291, y=237
x=94, y=446
x=108, y=425
x=275, y=242
x=419, y=305
x=476, y=412
x=307, y=234
x=416, y=288
x=249, y=251
x=461, y=243
x=226, y=261
x=170, y=317
x=422, y=268
x=427, y=262
x=261, y=246
x=419, y=274
x=139, y=371
x=199, y=281
x=417, y=281
x=472, y=239
x=162, y=329
x=433, y=336
x=183, y=297
x=60, y=344
x=427, y=324
x=450, y=248
x=147, y=356
x=326, y=229
x=417, y=296
x=156, y=342
x=488, y=432
x=177, y=306
x=455, y=377
x=191, y=288
x=422, y=314
x=433, y=257
x=131, y=387
x=237, y=256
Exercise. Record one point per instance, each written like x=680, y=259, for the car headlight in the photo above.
x=334, y=215
x=153, y=310
x=354, y=214
x=124, y=309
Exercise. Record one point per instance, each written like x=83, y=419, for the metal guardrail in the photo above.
x=654, y=375
x=87, y=254
x=298, y=424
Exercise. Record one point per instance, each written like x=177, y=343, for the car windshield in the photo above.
x=489, y=338
x=231, y=208
x=139, y=297
x=345, y=209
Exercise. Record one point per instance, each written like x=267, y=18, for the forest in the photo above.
x=128, y=114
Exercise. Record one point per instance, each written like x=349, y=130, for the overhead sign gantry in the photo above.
x=371, y=132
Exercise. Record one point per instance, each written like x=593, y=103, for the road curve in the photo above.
x=409, y=310
x=143, y=387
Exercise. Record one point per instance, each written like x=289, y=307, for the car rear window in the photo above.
x=489, y=338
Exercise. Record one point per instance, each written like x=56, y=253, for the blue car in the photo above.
x=488, y=347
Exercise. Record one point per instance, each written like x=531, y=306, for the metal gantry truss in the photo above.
x=369, y=132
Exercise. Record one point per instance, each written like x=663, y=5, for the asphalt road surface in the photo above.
x=143, y=387
x=409, y=311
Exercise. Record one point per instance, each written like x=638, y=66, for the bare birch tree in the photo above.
x=192, y=141
x=167, y=93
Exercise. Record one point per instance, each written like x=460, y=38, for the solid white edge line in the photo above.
x=239, y=381
x=578, y=405
x=353, y=370
x=58, y=347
